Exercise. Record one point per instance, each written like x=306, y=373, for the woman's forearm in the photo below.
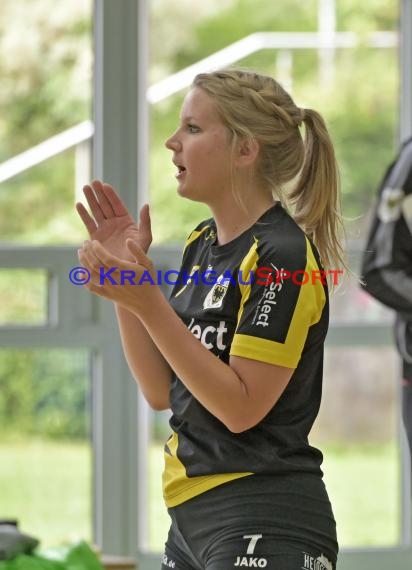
x=146, y=363
x=214, y=383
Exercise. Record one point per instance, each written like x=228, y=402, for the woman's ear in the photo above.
x=247, y=152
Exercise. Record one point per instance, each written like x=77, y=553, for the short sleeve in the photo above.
x=284, y=299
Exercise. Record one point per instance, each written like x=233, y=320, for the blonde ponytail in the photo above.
x=316, y=198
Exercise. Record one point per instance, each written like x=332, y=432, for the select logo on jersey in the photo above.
x=214, y=298
x=269, y=298
x=210, y=336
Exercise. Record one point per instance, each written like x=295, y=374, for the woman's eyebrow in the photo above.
x=187, y=118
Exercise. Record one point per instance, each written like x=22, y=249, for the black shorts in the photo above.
x=259, y=521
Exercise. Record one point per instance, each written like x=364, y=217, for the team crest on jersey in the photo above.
x=210, y=234
x=214, y=298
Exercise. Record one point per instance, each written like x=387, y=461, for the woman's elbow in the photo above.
x=158, y=404
x=240, y=424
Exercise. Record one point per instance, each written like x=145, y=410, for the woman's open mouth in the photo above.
x=181, y=171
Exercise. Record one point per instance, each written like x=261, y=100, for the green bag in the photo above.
x=77, y=557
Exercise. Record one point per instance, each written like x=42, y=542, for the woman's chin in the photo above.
x=190, y=193
x=185, y=192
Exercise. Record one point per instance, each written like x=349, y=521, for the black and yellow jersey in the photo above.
x=278, y=321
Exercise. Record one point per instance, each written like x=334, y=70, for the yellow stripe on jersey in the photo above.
x=194, y=235
x=308, y=311
x=194, y=269
x=178, y=487
x=248, y=265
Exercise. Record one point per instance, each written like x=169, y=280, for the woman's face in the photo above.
x=201, y=150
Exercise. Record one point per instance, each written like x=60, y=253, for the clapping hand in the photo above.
x=116, y=242
x=110, y=223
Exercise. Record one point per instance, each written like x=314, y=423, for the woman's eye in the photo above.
x=192, y=128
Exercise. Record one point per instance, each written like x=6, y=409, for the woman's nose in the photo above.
x=172, y=143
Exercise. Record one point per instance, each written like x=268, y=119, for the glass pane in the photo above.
x=349, y=302
x=23, y=296
x=358, y=431
x=46, y=90
x=45, y=454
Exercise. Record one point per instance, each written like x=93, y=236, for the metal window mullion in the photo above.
x=116, y=160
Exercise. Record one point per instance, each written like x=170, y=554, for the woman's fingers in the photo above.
x=103, y=256
x=93, y=203
x=89, y=260
x=116, y=203
x=145, y=226
x=107, y=271
x=139, y=254
x=104, y=203
x=86, y=218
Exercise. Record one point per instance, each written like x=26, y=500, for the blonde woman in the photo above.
x=236, y=353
